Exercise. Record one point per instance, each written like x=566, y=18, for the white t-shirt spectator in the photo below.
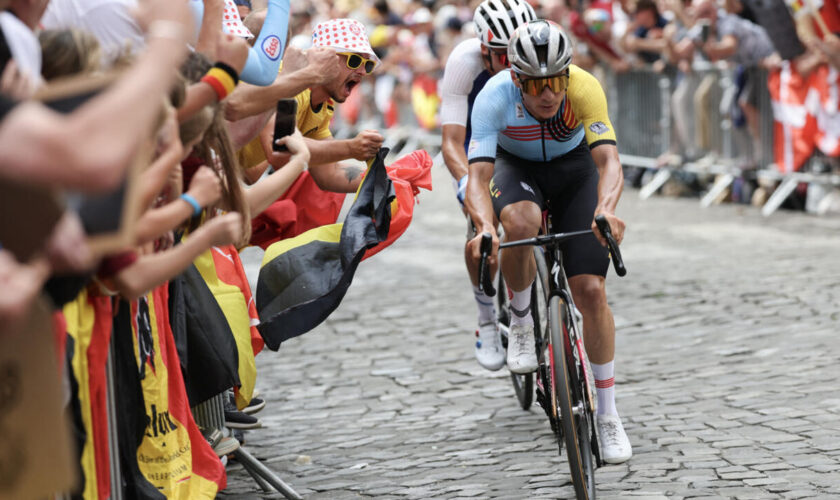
x=23, y=45
x=110, y=21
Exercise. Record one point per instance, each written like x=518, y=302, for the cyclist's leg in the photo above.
x=489, y=351
x=586, y=263
x=517, y=202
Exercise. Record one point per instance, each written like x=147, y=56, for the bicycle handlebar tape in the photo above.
x=618, y=262
x=485, y=281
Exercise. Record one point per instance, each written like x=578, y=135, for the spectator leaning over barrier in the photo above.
x=594, y=29
x=645, y=36
x=315, y=106
x=469, y=67
x=733, y=38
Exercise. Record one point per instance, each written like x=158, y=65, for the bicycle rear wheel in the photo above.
x=523, y=384
x=571, y=405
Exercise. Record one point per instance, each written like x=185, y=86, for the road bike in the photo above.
x=565, y=386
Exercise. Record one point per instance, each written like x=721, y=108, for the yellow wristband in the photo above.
x=224, y=78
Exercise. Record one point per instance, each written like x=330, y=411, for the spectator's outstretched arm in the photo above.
x=723, y=49
x=210, y=13
x=362, y=147
x=152, y=270
x=264, y=57
x=337, y=178
x=205, y=189
x=247, y=100
x=263, y=193
x=90, y=149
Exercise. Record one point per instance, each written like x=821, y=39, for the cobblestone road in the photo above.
x=727, y=373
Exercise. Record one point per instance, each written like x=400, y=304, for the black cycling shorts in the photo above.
x=567, y=186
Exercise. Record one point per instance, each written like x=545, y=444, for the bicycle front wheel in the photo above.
x=571, y=408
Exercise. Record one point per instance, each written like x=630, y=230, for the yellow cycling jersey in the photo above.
x=312, y=123
x=587, y=105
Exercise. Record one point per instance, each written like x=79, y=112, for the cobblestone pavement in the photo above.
x=727, y=371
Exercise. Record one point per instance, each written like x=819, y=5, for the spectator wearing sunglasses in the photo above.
x=542, y=140
x=354, y=59
x=469, y=66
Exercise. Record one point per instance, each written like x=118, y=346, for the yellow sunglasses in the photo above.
x=535, y=86
x=355, y=60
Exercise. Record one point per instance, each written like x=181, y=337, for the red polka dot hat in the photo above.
x=344, y=35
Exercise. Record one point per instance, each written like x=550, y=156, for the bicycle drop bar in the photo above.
x=485, y=281
x=618, y=262
x=603, y=226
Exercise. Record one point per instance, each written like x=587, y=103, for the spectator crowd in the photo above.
x=138, y=156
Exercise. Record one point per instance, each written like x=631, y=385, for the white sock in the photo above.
x=520, y=305
x=605, y=387
x=486, y=307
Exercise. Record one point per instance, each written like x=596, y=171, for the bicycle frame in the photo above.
x=559, y=286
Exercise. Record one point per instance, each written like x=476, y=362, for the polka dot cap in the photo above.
x=231, y=23
x=345, y=35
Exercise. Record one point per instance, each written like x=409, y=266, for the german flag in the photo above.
x=170, y=454
x=303, y=279
x=88, y=326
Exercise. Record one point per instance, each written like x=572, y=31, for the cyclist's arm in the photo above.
x=611, y=182
x=452, y=147
x=478, y=202
x=462, y=68
x=488, y=119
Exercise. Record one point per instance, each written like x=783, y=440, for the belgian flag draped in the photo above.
x=222, y=270
x=303, y=279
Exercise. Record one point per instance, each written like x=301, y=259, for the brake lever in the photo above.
x=606, y=232
x=485, y=281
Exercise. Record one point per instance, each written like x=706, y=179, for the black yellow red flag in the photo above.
x=303, y=279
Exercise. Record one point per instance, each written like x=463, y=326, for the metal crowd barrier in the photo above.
x=671, y=123
x=209, y=416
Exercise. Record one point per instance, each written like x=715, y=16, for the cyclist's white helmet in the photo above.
x=495, y=20
x=539, y=48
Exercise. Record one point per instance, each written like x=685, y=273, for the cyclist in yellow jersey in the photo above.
x=542, y=140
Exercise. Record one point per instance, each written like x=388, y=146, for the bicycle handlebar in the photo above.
x=606, y=232
x=485, y=281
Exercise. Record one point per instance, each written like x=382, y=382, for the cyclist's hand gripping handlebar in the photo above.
x=485, y=280
x=618, y=262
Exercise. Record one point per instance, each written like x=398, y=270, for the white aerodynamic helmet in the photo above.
x=495, y=20
x=539, y=48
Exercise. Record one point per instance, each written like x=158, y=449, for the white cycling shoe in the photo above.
x=488, y=346
x=522, y=351
x=615, y=447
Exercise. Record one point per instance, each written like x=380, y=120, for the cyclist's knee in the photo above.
x=589, y=292
x=521, y=220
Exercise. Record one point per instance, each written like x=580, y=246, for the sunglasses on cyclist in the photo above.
x=355, y=60
x=535, y=86
x=503, y=58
